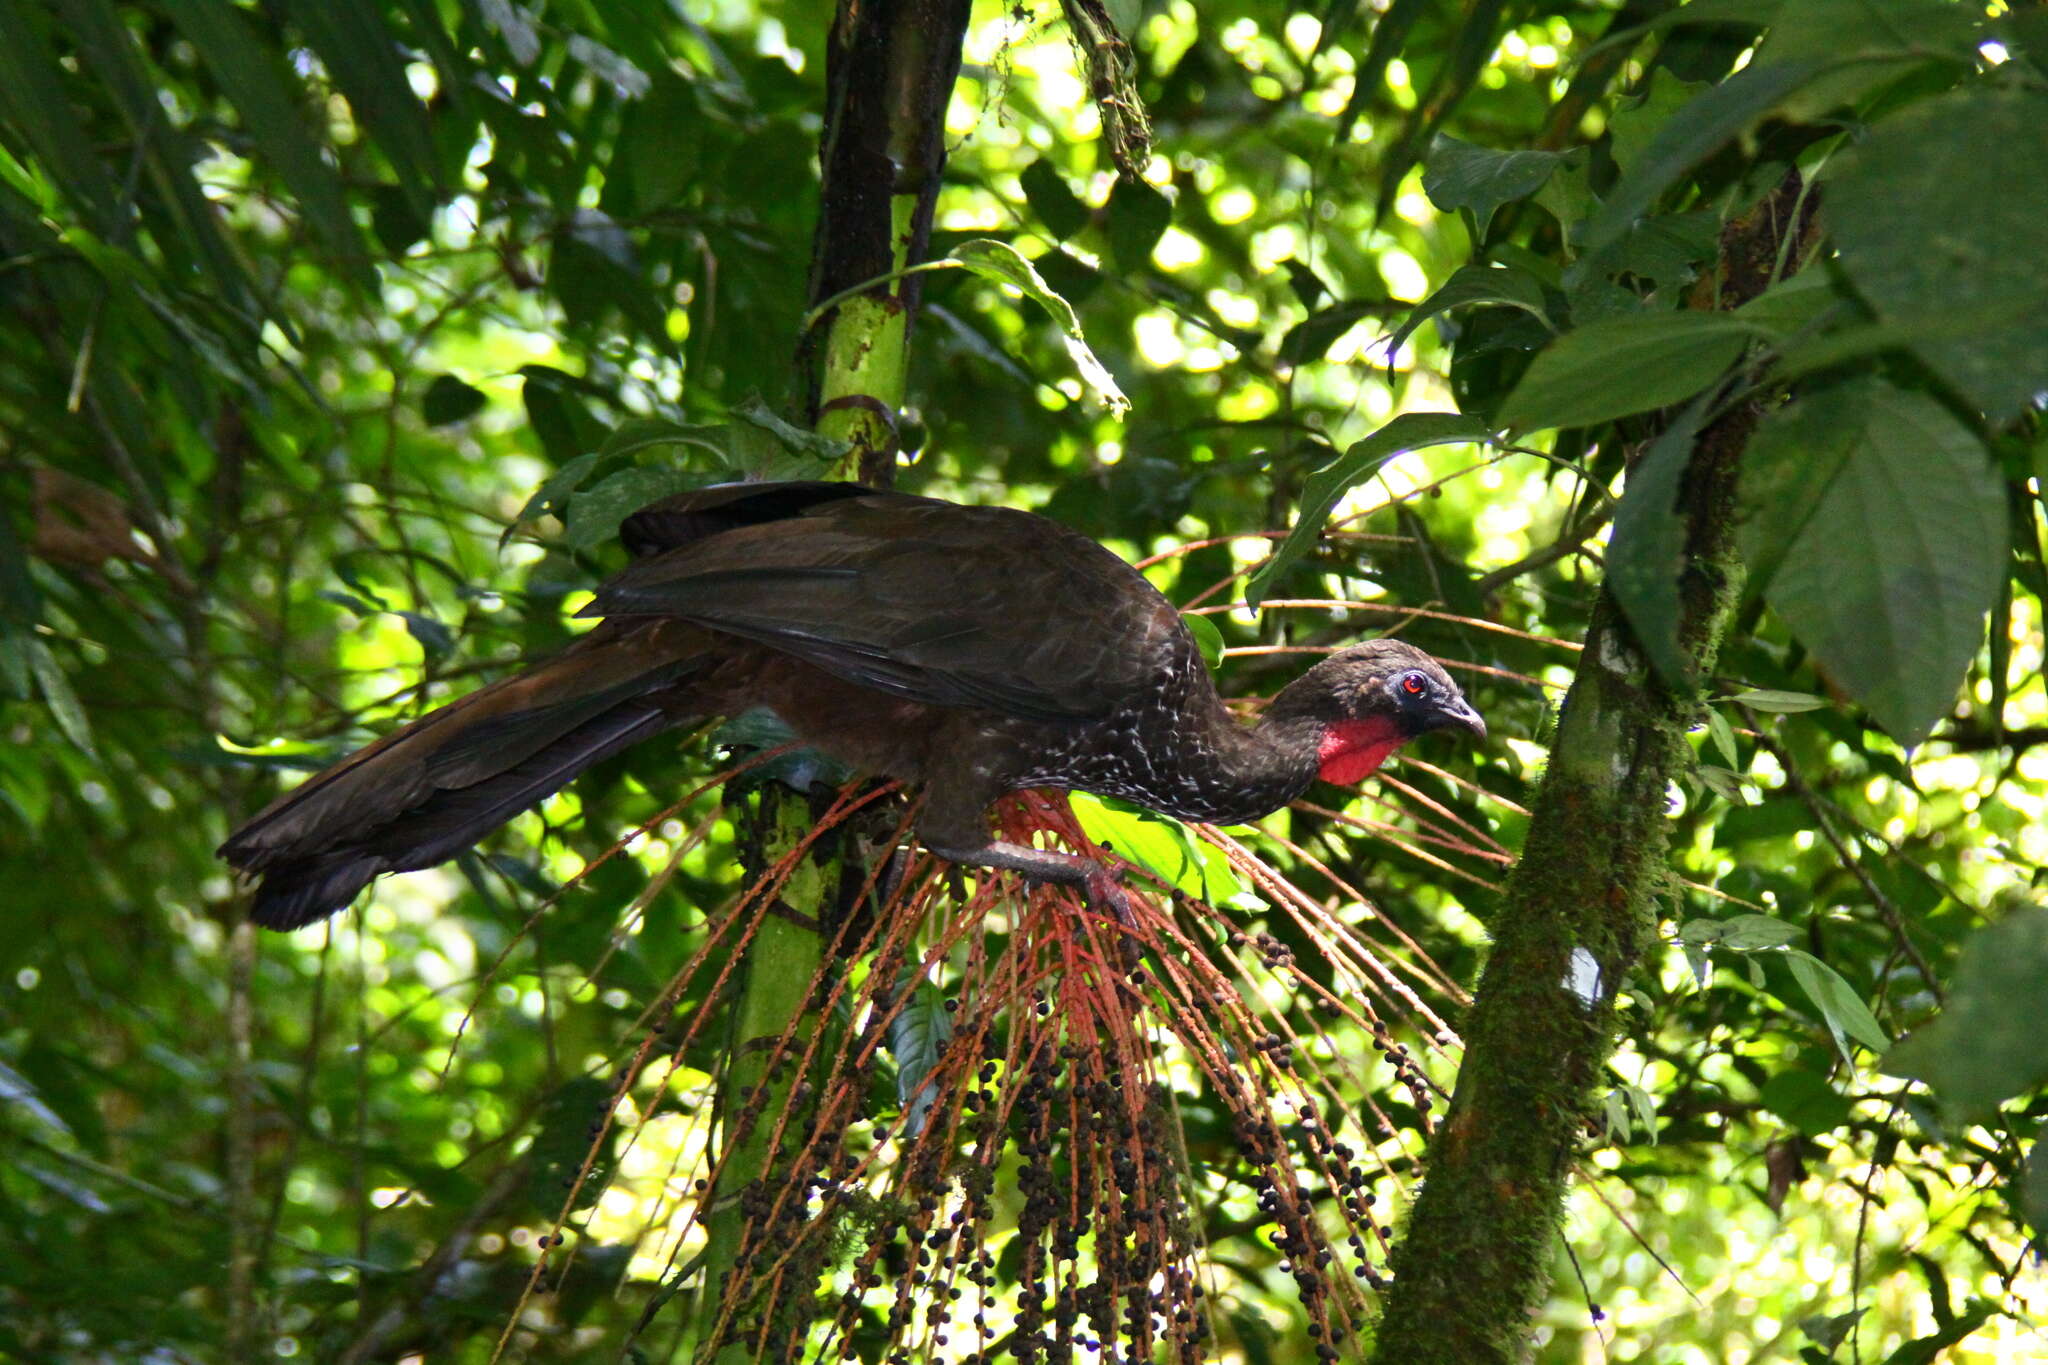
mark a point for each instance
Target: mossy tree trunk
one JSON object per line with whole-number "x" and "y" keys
{"x": 1476, "y": 1262}
{"x": 891, "y": 70}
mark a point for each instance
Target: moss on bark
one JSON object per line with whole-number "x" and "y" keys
{"x": 1476, "y": 1261}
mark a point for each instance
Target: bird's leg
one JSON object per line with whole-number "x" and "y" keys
{"x": 1098, "y": 884}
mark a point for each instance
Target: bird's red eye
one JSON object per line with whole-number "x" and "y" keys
{"x": 1413, "y": 685}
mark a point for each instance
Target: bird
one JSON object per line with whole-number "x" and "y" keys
{"x": 971, "y": 651}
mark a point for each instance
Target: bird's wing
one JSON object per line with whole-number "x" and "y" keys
{"x": 950, "y": 605}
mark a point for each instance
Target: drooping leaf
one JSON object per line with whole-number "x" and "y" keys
{"x": 449, "y": 400}
{"x": 1690, "y": 135}
{"x": 1843, "y": 1010}
{"x": 1002, "y": 262}
{"x": 1138, "y": 218}
{"x": 1624, "y": 365}
{"x": 1052, "y": 199}
{"x": 1878, "y": 529}
{"x": 1933, "y": 233}
{"x": 1458, "y": 175}
{"x": 1475, "y": 284}
{"x": 1988, "y": 1044}
{"x": 1323, "y": 489}
{"x": 1647, "y": 553}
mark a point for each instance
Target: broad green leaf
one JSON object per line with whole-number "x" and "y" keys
{"x": 1783, "y": 703}
{"x": 1869, "y": 44}
{"x": 1741, "y": 933}
{"x": 1806, "y": 1099}
{"x": 1798, "y": 305}
{"x": 1637, "y": 122}
{"x": 1689, "y": 135}
{"x": 1475, "y": 284}
{"x": 1052, "y": 199}
{"x": 1000, "y": 261}
{"x": 1458, "y": 175}
{"x": 1839, "y": 1005}
{"x": 1647, "y": 552}
{"x": 1161, "y": 845}
{"x": 1877, "y": 527}
{"x": 1138, "y": 218}
{"x": 636, "y": 434}
{"x": 1988, "y": 1045}
{"x": 1618, "y": 366}
{"x": 553, "y": 495}
{"x": 448, "y": 400}
{"x": 1931, "y": 230}
{"x": 434, "y": 637}
{"x": 1323, "y": 489}
{"x": 1310, "y": 339}
{"x": 793, "y": 438}
{"x": 595, "y": 512}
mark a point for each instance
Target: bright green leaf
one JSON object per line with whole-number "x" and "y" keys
{"x": 1618, "y": 366}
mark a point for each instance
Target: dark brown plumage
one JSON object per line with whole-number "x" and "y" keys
{"x": 974, "y": 650}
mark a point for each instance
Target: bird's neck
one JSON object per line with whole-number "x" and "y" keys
{"x": 1258, "y": 769}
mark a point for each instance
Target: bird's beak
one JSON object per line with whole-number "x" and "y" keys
{"x": 1459, "y": 712}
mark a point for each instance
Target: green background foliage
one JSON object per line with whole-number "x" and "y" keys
{"x": 336, "y": 340}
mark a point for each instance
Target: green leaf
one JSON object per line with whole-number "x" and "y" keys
{"x": 275, "y": 113}
{"x": 1988, "y": 1044}
{"x": 1806, "y": 1100}
{"x": 1624, "y": 365}
{"x": 1138, "y": 218}
{"x": 1208, "y": 639}
{"x": 636, "y": 434}
{"x": 1929, "y": 1349}
{"x": 448, "y": 400}
{"x": 801, "y": 441}
{"x": 1877, "y": 527}
{"x": 1783, "y": 703}
{"x": 1323, "y": 489}
{"x": 1690, "y": 135}
{"x": 1310, "y": 339}
{"x": 1647, "y": 552}
{"x": 1796, "y": 306}
{"x": 595, "y": 512}
{"x": 999, "y": 261}
{"x": 2033, "y": 1200}
{"x": 553, "y": 495}
{"x": 32, "y": 94}
{"x": 1052, "y": 199}
{"x": 1930, "y": 228}
{"x": 1740, "y": 933}
{"x": 1475, "y": 284}
{"x": 434, "y": 637}
{"x": 363, "y": 58}
{"x": 57, "y": 694}
{"x": 1458, "y": 175}
{"x": 918, "y": 1036}
{"x": 1839, "y": 1004}
{"x": 1161, "y": 845}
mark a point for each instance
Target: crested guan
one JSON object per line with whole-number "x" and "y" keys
{"x": 974, "y": 650}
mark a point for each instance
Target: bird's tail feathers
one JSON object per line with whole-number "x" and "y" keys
{"x": 423, "y": 794}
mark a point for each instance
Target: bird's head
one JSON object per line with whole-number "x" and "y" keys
{"x": 1364, "y": 702}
